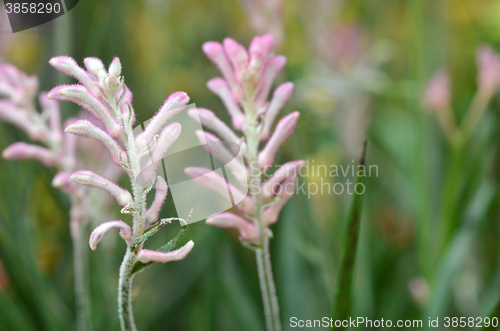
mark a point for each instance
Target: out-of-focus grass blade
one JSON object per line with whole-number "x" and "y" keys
{"x": 457, "y": 250}
{"x": 343, "y": 298}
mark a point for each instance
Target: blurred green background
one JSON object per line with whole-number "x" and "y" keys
{"x": 359, "y": 68}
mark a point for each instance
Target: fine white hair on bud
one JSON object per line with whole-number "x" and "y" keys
{"x": 99, "y": 232}
{"x": 160, "y": 195}
{"x": 90, "y": 178}
{"x": 147, "y": 256}
{"x": 86, "y": 129}
{"x": 115, "y": 68}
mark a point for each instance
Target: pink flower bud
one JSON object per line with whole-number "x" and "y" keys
{"x": 90, "y": 178}
{"x": 23, "y": 151}
{"x": 215, "y": 147}
{"x": 147, "y": 256}
{"x": 99, "y": 232}
{"x": 167, "y": 137}
{"x": 236, "y": 53}
{"x": 230, "y": 220}
{"x": 95, "y": 67}
{"x": 488, "y": 63}
{"x": 213, "y": 181}
{"x": 283, "y": 130}
{"x": 68, "y": 66}
{"x": 51, "y": 107}
{"x": 287, "y": 170}
{"x": 280, "y": 98}
{"x": 63, "y": 182}
{"x": 172, "y": 106}
{"x": 212, "y": 122}
{"x": 115, "y": 68}
{"x": 160, "y": 195}
{"x": 11, "y": 113}
{"x": 82, "y": 97}
{"x": 219, "y": 87}
{"x": 273, "y": 68}
{"x": 86, "y": 129}
{"x": 215, "y": 52}
{"x": 272, "y": 212}
{"x": 259, "y": 50}
{"x": 437, "y": 91}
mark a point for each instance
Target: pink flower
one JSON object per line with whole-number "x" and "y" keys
{"x": 437, "y": 91}
{"x": 488, "y": 63}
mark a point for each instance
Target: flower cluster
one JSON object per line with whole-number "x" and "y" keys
{"x": 244, "y": 90}
{"x": 103, "y": 93}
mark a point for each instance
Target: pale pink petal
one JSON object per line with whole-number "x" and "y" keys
{"x": 273, "y": 68}
{"x": 212, "y": 122}
{"x": 147, "y": 256}
{"x": 272, "y": 212}
{"x": 283, "y": 130}
{"x": 215, "y": 52}
{"x": 100, "y": 231}
{"x": 213, "y": 181}
{"x": 81, "y": 96}
{"x": 23, "y": 151}
{"x": 63, "y": 182}
{"x": 90, "y": 178}
{"x": 437, "y": 91}
{"x": 96, "y": 67}
{"x": 230, "y": 220}
{"x": 280, "y": 98}
{"x": 287, "y": 170}
{"x": 172, "y": 106}
{"x": 68, "y": 66}
{"x": 220, "y": 87}
{"x": 160, "y": 195}
{"x": 86, "y": 129}
{"x": 236, "y": 53}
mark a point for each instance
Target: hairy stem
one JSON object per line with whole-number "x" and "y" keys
{"x": 125, "y": 312}
{"x": 82, "y": 293}
{"x": 268, "y": 289}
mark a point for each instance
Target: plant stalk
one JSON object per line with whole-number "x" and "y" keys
{"x": 82, "y": 293}
{"x": 264, "y": 266}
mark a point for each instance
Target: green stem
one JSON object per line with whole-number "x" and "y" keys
{"x": 82, "y": 293}
{"x": 271, "y": 308}
{"x": 343, "y": 298}
{"x": 125, "y": 311}
{"x": 268, "y": 289}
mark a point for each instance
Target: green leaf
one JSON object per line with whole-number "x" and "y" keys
{"x": 343, "y": 298}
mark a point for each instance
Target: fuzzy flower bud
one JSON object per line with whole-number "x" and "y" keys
{"x": 89, "y": 178}
{"x": 23, "y": 151}
{"x": 68, "y": 66}
{"x": 100, "y": 231}
{"x": 230, "y": 220}
{"x": 86, "y": 129}
{"x": 280, "y": 98}
{"x": 220, "y": 87}
{"x": 272, "y": 212}
{"x": 161, "y": 193}
{"x": 283, "y": 130}
{"x": 147, "y": 256}
{"x": 63, "y": 182}
{"x": 172, "y": 106}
